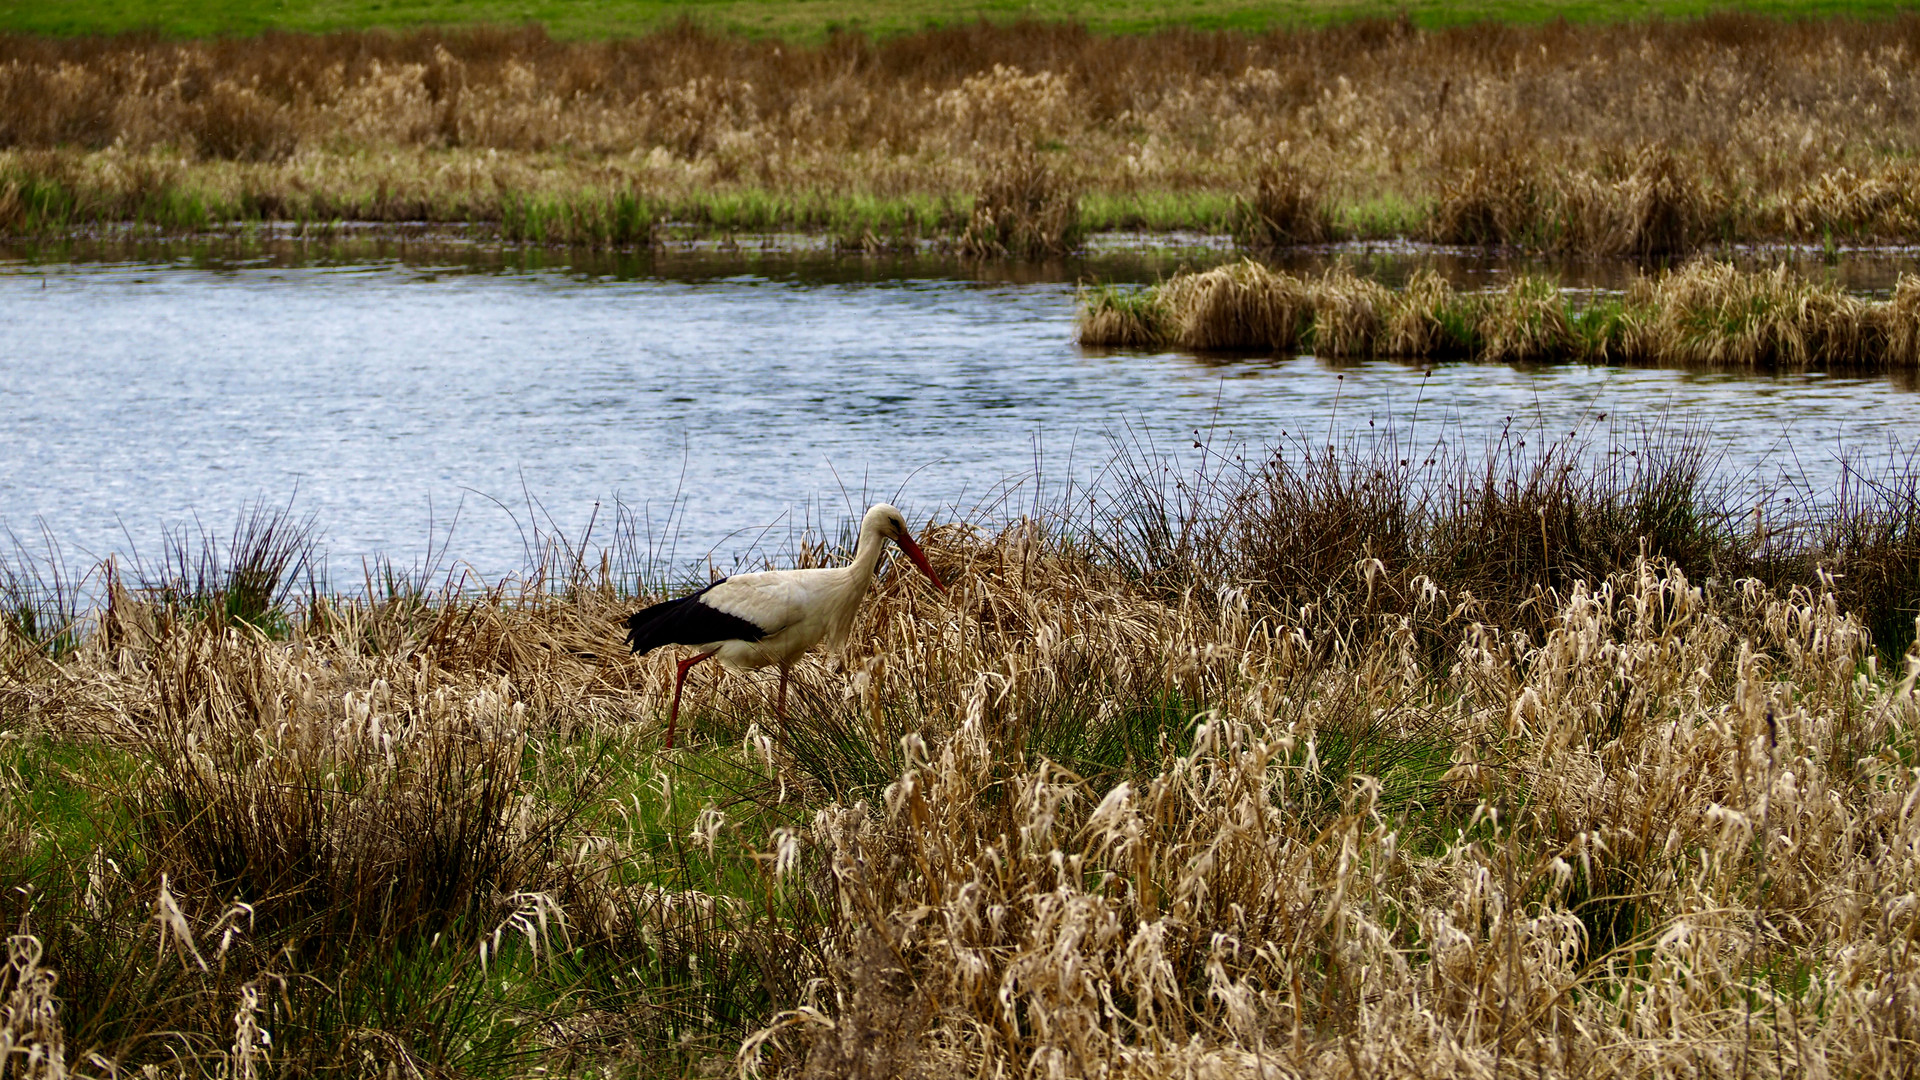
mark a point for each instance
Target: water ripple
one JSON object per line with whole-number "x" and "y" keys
{"x": 144, "y": 394}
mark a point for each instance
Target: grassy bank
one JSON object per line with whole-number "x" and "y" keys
{"x": 1325, "y": 762}
{"x": 1703, "y": 315}
{"x": 1643, "y": 140}
{"x": 813, "y": 21}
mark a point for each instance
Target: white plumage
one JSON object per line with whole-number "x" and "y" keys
{"x": 773, "y": 617}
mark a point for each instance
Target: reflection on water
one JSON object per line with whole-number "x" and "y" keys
{"x": 1118, "y": 258}
{"x": 138, "y": 388}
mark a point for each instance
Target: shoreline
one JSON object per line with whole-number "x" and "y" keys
{"x": 402, "y": 241}
{"x": 692, "y": 236}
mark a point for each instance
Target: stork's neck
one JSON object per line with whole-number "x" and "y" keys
{"x": 855, "y": 579}
{"x": 866, "y": 556}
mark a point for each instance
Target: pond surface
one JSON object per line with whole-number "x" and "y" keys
{"x": 728, "y": 400}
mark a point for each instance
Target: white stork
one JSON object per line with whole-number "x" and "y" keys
{"x": 772, "y": 617}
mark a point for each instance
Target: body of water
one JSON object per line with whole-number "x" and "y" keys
{"x": 729, "y": 401}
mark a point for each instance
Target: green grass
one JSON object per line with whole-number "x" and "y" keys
{"x": 1157, "y": 211}
{"x": 1381, "y": 216}
{"x": 62, "y": 795}
{"x": 68, "y": 806}
{"x": 812, "y": 20}
{"x": 1132, "y": 744}
{"x": 698, "y": 987}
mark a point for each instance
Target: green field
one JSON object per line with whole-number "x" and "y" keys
{"x": 809, "y": 20}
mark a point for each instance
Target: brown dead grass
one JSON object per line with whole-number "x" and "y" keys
{"x": 1639, "y": 139}
{"x": 1629, "y": 866}
{"x": 1659, "y": 205}
{"x": 1239, "y": 303}
{"x": 1281, "y": 795}
{"x": 1705, "y": 314}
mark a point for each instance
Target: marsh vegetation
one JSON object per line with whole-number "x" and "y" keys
{"x": 811, "y": 21}
{"x": 1573, "y": 759}
{"x": 1705, "y": 314}
{"x": 1541, "y": 763}
{"x": 1643, "y": 140}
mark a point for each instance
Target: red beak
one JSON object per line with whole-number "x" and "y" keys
{"x": 920, "y": 560}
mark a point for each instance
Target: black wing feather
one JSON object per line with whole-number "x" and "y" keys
{"x": 687, "y": 621}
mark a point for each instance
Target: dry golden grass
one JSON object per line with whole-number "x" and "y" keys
{"x": 1120, "y": 319}
{"x": 1235, "y": 306}
{"x": 1704, "y": 314}
{"x": 1659, "y": 205}
{"x": 1898, "y": 324}
{"x": 1636, "y": 139}
{"x": 1713, "y": 315}
{"x": 1656, "y": 856}
{"x": 1288, "y": 207}
{"x": 1299, "y": 783}
{"x": 1349, "y": 314}
{"x": 1525, "y": 323}
{"x": 1428, "y": 319}
{"x": 1028, "y": 209}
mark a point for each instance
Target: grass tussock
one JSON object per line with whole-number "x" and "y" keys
{"x": 1027, "y": 209}
{"x": 1239, "y": 302}
{"x": 1704, "y": 314}
{"x": 1120, "y": 318}
{"x": 1308, "y": 760}
{"x": 1644, "y": 139}
{"x": 1651, "y": 204}
{"x": 1713, "y": 315}
{"x": 1288, "y": 208}
{"x": 1231, "y": 909}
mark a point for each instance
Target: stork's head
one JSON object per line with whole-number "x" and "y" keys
{"x": 886, "y": 520}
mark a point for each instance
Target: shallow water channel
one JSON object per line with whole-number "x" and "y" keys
{"x": 729, "y": 398}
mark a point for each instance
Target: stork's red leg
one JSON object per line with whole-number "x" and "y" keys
{"x": 780, "y": 710}
{"x": 673, "y": 713}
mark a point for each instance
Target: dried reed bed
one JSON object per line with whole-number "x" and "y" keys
{"x": 1704, "y": 314}
{"x": 379, "y": 845}
{"x": 1628, "y": 862}
{"x": 1637, "y": 139}
{"x": 1159, "y": 791}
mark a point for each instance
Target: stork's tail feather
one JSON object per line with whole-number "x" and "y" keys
{"x": 641, "y": 622}
{"x": 687, "y": 621}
